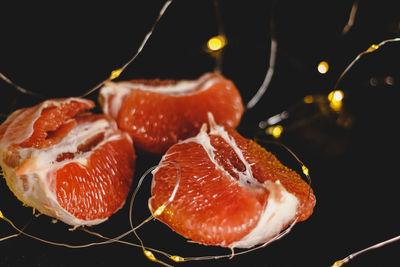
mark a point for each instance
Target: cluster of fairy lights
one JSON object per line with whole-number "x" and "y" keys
{"x": 214, "y": 47}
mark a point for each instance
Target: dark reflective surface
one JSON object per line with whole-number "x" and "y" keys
{"x": 64, "y": 50}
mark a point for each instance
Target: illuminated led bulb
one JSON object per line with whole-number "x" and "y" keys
{"x": 336, "y": 95}
{"x": 335, "y": 99}
{"x": 372, "y": 48}
{"x": 216, "y": 43}
{"x": 1, "y": 215}
{"x": 323, "y": 67}
{"x": 338, "y": 263}
{"x": 176, "y": 258}
{"x": 159, "y": 210}
{"x": 305, "y": 170}
{"x": 115, "y": 74}
{"x": 149, "y": 255}
{"x": 275, "y": 131}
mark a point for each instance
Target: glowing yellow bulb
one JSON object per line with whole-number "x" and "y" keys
{"x": 372, "y": 48}
{"x": 1, "y": 215}
{"x": 177, "y": 258}
{"x": 335, "y": 98}
{"x": 336, "y": 95}
{"x": 338, "y": 263}
{"x": 275, "y": 131}
{"x": 149, "y": 255}
{"x": 159, "y": 210}
{"x": 216, "y": 43}
{"x": 115, "y": 74}
{"x": 305, "y": 170}
{"x": 323, "y": 67}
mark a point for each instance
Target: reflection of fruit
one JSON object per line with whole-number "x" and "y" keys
{"x": 69, "y": 164}
{"x": 157, "y": 114}
{"x": 232, "y": 192}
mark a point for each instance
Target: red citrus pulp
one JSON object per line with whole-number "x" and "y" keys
{"x": 65, "y": 162}
{"x": 159, "y": 113}
{"x": 231, "y": 191}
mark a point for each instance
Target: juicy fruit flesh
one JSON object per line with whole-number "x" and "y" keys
{"x": 95, "y": 190}
{"x": 214, "y": 204}
{"x": 53, "y": 124}
{"x": 265, "y": 166}
{"x": 206, "y": 205}
{"x": 156, "y": 119}
{"x": 75, "y": 166}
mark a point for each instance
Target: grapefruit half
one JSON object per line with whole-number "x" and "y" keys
{"x": 159, "y": 113}
{"x": 65, "y": 162}
{"x": 231, "y": 192}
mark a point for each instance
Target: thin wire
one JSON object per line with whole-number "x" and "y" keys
{"x": 221, "y": 32}
{"x": 371, "y": 49}
{"x": 353, "y": 255}
{"x": 19, "y": 88}
{"x": 157, "y": 212}
{"x": 20, "y": 231}
{"x": 117, "y": 72}
{"x": 170, "y": 199}
{"x": 352, "y": 16}
{"x": 13, "y": 235}
{"x": 107, "y": 240}
{"x": 279, "y": 236}
{"x": 295, "y": 157}
{"x": 268, "y": 76}
{"x": 135, "y": 193}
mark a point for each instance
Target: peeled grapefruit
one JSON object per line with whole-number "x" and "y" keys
{"x": 159, "y": 113}
{"x": 65, "y": 162}
{"x": 232, "y": 192}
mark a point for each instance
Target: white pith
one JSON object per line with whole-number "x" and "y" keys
{"x": 119, "y": 90}
{"x": 32, "y": 180}
{"x": 13, "y": 137}
{"x": 281, "y": 205}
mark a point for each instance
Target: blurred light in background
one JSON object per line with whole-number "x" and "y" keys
{"x": 216, "y": 43}
{"x": 275, "y": 130}
{"x": 323, "y": 67}
{"x": 335, "y": 99}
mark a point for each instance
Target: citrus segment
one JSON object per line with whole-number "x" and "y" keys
{"x": 99, "y": 188}
{"x": 69, "y": 164}
{"x": 223, "y": 198}
{"x": 159, "y": 113}
{"x": 30, "y": 126}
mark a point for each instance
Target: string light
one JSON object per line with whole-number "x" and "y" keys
{"x": 115, "y": 74}
{"x": 370, "y": 49}
{"x": 323, "y": 67}
{"x": 176, "y": 258}
{"x": 149, "y": 255}
{"x": 305, "y": 170}
{"x": 159, "y": 210}
{"x": 335, "y": 100}
{"x": 338, "y": 263}
{"x": 275, "y": 131}
{"x": 216, "y": 43}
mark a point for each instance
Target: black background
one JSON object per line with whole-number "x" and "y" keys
{"x": 61, "y": 49}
